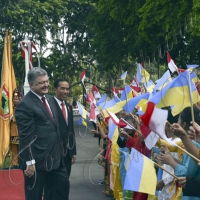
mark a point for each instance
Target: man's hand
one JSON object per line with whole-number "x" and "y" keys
{"x": 30, "y": 170}
{"x": 73, "y": 159}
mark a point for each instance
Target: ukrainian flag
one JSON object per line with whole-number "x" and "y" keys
{"x": 129, "y": 105}
{"x": 177, "y": 92}
{"x": 123, "y": 76}
{"x": 142, "y": 75}
{"x": 113, "y": 132}
{"x": 163, "y": 81}
{"x": 110, "y": 105}
{"x": 142, "y": 169}
{"x": 81, "y": 109}
{"x": 149, "y": 86}
{"x": 127, "y": 93}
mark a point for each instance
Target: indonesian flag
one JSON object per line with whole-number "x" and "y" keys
{"x": 26, "y": 49}
{"x": 92, "y": 115}
{"x": 142, "y": 63}
{"x": 114, "y": 91}
{"x": 135, "y": 83}
{"x": 155, "y": 119}
{"x": 82, "y": 76}
{"x": 150, "y": 138}
{"x": 197, "y": 85}
{"x": 87, "y": 99}
{"x": 120, "y": 90}
{"x": 171, "y": 63}
{"x": 180, "y": 70}
{"x": 137, "y": 89}
{"x": 91, "y": 99}
{"x": 96, "y": 92}
{"x": 119, "y": 122}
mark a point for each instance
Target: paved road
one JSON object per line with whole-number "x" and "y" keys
{"x": 86, "y": 172}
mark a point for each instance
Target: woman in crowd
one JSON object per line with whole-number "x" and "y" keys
{"x": 167, "y": 186}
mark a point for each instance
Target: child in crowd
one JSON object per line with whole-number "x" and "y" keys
{"x": 188, "y": 167}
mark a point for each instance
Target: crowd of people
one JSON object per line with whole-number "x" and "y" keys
{"x": 180, "y": 130}
{"x": 43, "y": 134}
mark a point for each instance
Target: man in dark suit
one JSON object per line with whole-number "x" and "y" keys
{"x": 39, "y": 141}
{"x": 66, "y": 123}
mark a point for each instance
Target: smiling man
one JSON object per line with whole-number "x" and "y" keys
{"x": 39, "y": 138}
{"x": 66, "y": 123}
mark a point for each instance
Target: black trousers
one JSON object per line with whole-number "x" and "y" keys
{"x": 68, "y": 163}
{"x": 54, "y": 183}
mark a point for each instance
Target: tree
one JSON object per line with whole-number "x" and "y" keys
{"x": 32, "y": 19}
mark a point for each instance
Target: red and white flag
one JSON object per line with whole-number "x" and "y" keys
{"x": 135, "y": 88}
{"x": 155, "y": 119}
{"x": 135, "y": 83}
{"x": 91, "y": 99}
{"x": 119, "y": 122}
{"x": 96, "y": 92}
{"x": 92, "y": 115}
{"x": 82, "y": 76}
{"x": 172, "y": 66}
{"x": 150, "y": 138}
{"x": 114, "y": 91}
{"x": 120, "y": 90}
{"x": 180, "y": 70}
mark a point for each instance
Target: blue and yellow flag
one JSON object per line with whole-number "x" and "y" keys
{"x": 177, "y": 92}
{"x": 141, "y": 174}
{"x": 123, "y": 76}
{"x": 82, "y": 110}
{"x": 130, "y": 104}
{"x": 82, "y": 122}
{"x": 113, "y": 132}
{"x": 127, "y": 93}
{"x": 142, "y": 75}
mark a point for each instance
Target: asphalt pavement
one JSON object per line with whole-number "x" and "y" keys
{"x": 86, "y": 172}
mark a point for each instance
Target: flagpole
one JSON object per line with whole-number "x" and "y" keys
{"x": 191, "y": 102}
{"x": 165, "y": 170}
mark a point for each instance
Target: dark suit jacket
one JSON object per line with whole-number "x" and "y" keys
{"x": 67, "y": 131}
{"x": 39, "y": 136}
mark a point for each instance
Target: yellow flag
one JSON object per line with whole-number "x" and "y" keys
{"x": 8, "y": 84}
{"x": 84, "y": 123}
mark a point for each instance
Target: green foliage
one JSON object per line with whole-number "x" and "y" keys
{"x": 105, "y": 37}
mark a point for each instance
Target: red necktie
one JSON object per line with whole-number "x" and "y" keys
{"x": 47, "y": 107}
{"x": 64, "y": 111}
